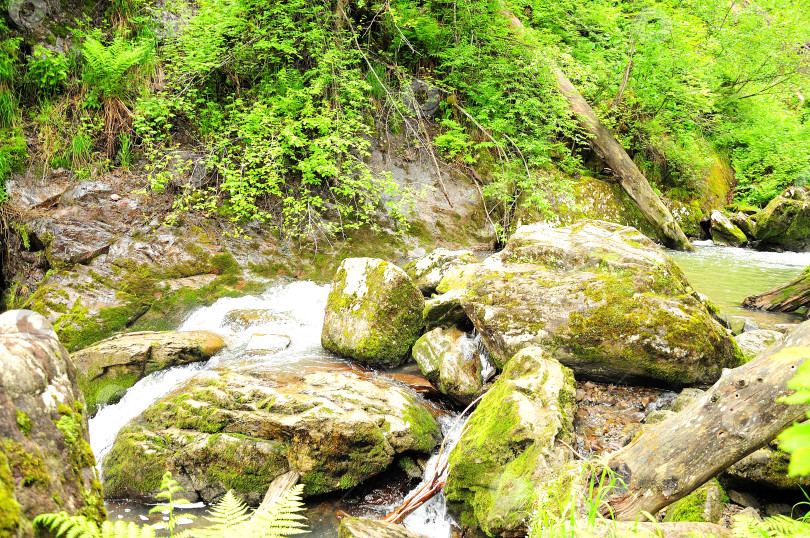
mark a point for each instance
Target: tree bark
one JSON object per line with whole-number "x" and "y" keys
{"x": 613, "y": 154}
{"x": 739, "y": 414}
{"x": 786, "y": 298}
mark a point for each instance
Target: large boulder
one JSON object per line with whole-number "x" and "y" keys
{"x": 785, "y": 221}
{"x": 428, "y": 271}
{"x": 603, "y": 298}
{"x": 510, "y": 445}
{"x": 724, "y": 231}
{"x": 373, "y": 313}
{"x": 241, "y": 429}
{"x": 449, "y": 358}
{"x": 46, "y": 464}
{"x": 107, "y": 369}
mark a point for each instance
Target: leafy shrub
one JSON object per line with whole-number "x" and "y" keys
{"x": 47, "y": 70}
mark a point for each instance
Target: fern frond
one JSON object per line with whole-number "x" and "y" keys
{"x": 282, "y": 518}
{"x": 228, "y": 513}
{"x": 771, "y": 527}
{"x": 62, "y": 524}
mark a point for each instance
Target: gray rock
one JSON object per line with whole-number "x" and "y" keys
{"x": 749, "y": 326}
{"x": 429, "y": 270}
{"x": 267, "y": 344}
{"x": 778, "y": 509}
{"x": 785, "y": 222}
{"x": 686, "y": 397}
{"x": 241, "y": 429}
{"x": 752, "y": 343}
{"x": 373, "y": 313}
{"x": 746, "y": 224}
{"x": 752, "y": 513}
{"x": 765, "y": 468}
{"x": 449, "y": 359}
{"x": 743, "y": 499}
{"x": 87, "y": 192}
{"x": 445, "y": 310}
{"x": 106, "y": 369}
{"x": 46, "y": 464}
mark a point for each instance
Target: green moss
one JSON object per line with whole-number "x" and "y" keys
{"x": 24, "y": 423}
{"x": 105, "y": 391}
{"x": 9, "y": 508}
{"x": 135, "y": 464}
{"x": 235, "y": 463}
{"x": 423, "y": 428}
{"x": 30, "y": 467}
{"x": 693, "y": 506}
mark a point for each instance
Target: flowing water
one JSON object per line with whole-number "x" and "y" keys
{"x": 724, "y": 274}
{"x": 727, "y": 275}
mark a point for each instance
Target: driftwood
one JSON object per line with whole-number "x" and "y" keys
{"x": 739, "y": 414}
{"x": 786, "y": 298}
{"x": 614, "y": 155}
{"x": 278, "y": 488}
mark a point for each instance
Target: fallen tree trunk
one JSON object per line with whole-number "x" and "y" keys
{"x": 786, "y": 298}
{"x": 277, "y": 489}
{"x": 613, "y": 154}
{"x": 739, "y": 414}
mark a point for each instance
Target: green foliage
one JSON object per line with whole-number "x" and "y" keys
{"x": 565, "y": 510}
{"x": 229, "y": 517}
{"x": 108, "y": 68}
{"x": 771, "y": 527}
{"x": 168, "y": 488}
{"x": 47, "y": 70}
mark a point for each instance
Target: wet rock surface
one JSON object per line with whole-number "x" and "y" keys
{"x": 46, "y": 464}
{"x": 241, "y": 429}
{"x": 753, "y": 342}
{"x": 428, "y": 271}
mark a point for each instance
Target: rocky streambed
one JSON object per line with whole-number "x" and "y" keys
{"x": 579, "y": 338}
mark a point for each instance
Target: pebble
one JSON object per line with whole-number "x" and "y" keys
{"x": 114, "y": 197}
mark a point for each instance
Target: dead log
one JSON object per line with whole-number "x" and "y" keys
{"x": 786, "y": 298}
{"x": 739, "y": 414}
{"x": 278, "y": 488}
{"x": 613, "y": 154}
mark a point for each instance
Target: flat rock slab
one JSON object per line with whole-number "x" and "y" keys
{"x": 241, "y": 429}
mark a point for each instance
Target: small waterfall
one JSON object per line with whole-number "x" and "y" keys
{"x": 294, "y": 310}
{"x": 487, "y": 364}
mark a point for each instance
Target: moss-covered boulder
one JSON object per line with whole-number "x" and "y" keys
{"x": 785, "y": 222}
{"x": 449, "y": 359}
{"x": 725, "y": 232}
{"x": 753, "y": 342}
{"x": 510, "y": 447}
{"x": 705, "y": 504}
{"x": 427, "y": 272}
{"x": 373, "y": 313}
{"x": 240, "y": 430}
{"x": 46, "y": 464}
{"x": 604, "y": 299}
{"x": 108, "y": 368}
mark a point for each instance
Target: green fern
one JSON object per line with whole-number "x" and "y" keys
{"x": 62, "y": 524}
{"x": 771, "y": 527}
{"x": 106, "y": 66}
{"x": 230, "y": 518}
